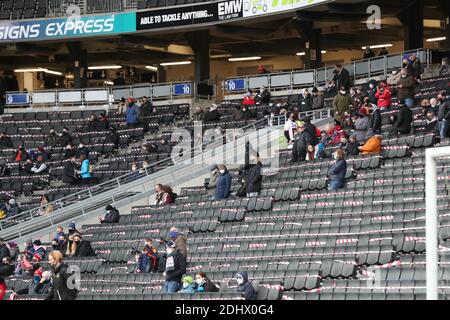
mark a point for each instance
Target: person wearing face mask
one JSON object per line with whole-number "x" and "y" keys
{"x": 132, "y": 113}
{"x": 223, "y": 186}
{"x": 402, "y": 124}
{"x": 374, "y": 123}
{"x": 317, "y": 99}
{"x": 263, "y": 95}
{"x": 112, "y": 215}
{"x": 82, "y": 247}
{"x": 372, "y": 91}
{"x": 204, "y": 284}
{"x": 431, "y": 125}
{"x": 305, "y": 102}
{"x": 417, "y": 67}
{"x": 52, "y": 139}
{"x": 61, "y": 279}
{"x": 70, "y": 175}
{"x": 338, "y": 171}
{"x": 36, "y": 251}
{"x": 39, "y": 284}
{"x": 175, "y": 268}
{"x": 443, "y": 115}
{"x": 82, "y": 150}
{"x": 65, "y": 138}
{"x": 69, "y": 151}
{"x": 248, "y": 99}
{"x": 341, "y": 103}
{"x": 188, "y": 285}
{"x": 433, "y": 107}
{"x": 341, "y": 77}
{"x": 245, "y": 286}
{"x": 383, "y": 96}
{"x": 213, "y": 114}
{"x": 254, "y": 177}
{"x": 60, "y": 243}
{"x": 405, "y": 88}
{"x": 179, "y": 239}
{"x": 444, "y": 70}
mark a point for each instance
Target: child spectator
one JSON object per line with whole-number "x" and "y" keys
{"x": 204, "y": 284}
{"x": 188, "y": 286}
{"x": 245, "y": 286}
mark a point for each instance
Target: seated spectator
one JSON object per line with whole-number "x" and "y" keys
{"x": 179, "y": 239}
{"x": 254, "y": 177}
{"x": 338, "y": 171}
{"x": 301, "y": 141}
{"x": 305, "y": 101}
{"x": 245, "y": 286}
{"x": 152, "y": 253}
{"x": 5, "y": 141}
{"x": 263, "y": 96}
{"x": 59, "y": 233}
{"x": 69, "y": 151}
{"x": 431, "y": 125}
{"x": 6, "y": 267}
{"x": 85, "y": 170}
{"x": 372, "y": 146}
{"x": 175, "y": 268}
{"x": 113, "y": 137}
{"x": 52, "y": 139}
{"x": 204, "y": 284}
{"x": 317, "y": 99}
{"x": 112, "y": 215}
{"x": 45, "y": 284}
{"x": 21, "y": 154}
{"x": 143, "y": 261}
{"x": 82, "y": 150}
{"x": 61, "y": 243}
{"x": 39, "y": 284}
{"x": 248, "y": 99}
{"x": 212, "y": 115}
{"x": 405, "y": 88}
{"x": 145, "y": 167}
{"x": 92, "y": 123}
{"x": 70, "y": 173}
{"x": 361, "y": 126}
{"x": 46, "y": 156}
{"x": 4, "y": 169}
{"x": 39, "y": 166}
{"x": 163, "y": 147}
{"x": 352, "y": 148}
{"x": 65, "y": 138}
{"x": 310, "y": 153}
{"x": 159, "y": 194}
{"x": 356, "y": 98}
{"x": 223, "y": 187}
{"x": 198, "y": 114}
{"x": 46, "y": 205}
{"x": 13, "y": 209}
{"x": 188, "y": 285}
{"x": 82, "y": 247}
{"x": 103, "y": 123}
{"x": 402, "y": 124}
{"x": 320, "y": 147}
{"x": 26, "y": 167}
{"x": 425, "y": 104}
{"x": 4, "y": 251}
{"x": 3, "y": 288}
{"x": 36, "y": 252}
{"x": 14, "y": 250}
{"x": 383, "y": 96}
{"x": 168, "y": 195}
{"x": 242, "y": 191}
{"x": 444, "y": 70}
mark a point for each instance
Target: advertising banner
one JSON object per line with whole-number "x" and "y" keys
{"x": 260, "y": 7}
{"x": 71, "y": 27}
{"x": 189, "y": 15}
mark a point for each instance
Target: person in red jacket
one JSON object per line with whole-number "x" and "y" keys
{"x": 2, "y": 289}
{"x": 248, "y": 99}
{"x": 383, "y": 96}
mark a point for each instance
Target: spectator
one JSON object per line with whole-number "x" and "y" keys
{"x": 204, "y": 284}
{"x": 82, "y": 150}
{"x": 6, "y": 267}
{"x": 4, "y": 169}
{"x": 93, "y": 123}
{"x": 425, "y": 104}
{"x": 60, "y": 243}
{"x": 368, "y": 53}
{"x": 443, "y": 115}
{"x": 311, "y": 129}
{"x": 254, "y": 177}
{"x": 342, "y": 77}
{"x": 417, "y": 67}
{"x": 13, "y": 209}
{"x": 121, "y": 106}
{"x": 69, "y": 151}
{"x": 372, "y": 146}
{"x": 5, "y": 141}
{"x": 4, "y": 251}
{"x": 338, "y": 171}
{"x": 320, "y": 147}
{"x": 159, "y": 194}
{"x": 356, "y": 99}
{"x": 371, "y": 92}
{"x": 210, "y": 186}
{"x": 60, "y": 279}
{"x": 112, "y": 137}
{"x": 198, "y": 114}
{"x": 70, "y": 175}
{"x": 405, "y": 91}
{"x": 36, "y": 252}
{"x": 263, "y": 96}
{"x": 383, "y": 52}
{"x": 383, "y": 96}
{"x": 301, "y": 141}
{"x": 352, "y": 148}
{"x": 168, "y": 196}
{"x": 223, "y": 187}
{"x": 52, "y": 139}
{"x": 374, "y": 123}
{"x": 21, "y": 154}
{"x": 444, "y": 70}
{"x": 402, "y": 125}
{"x": 341, "y": 104}
{"x": 175, "y": 268}
{"x": 179, "y": 239}
{"x": 103, "y": 123}
{"x": 146, "y": 111}
{"x": 431, "y": 125}
{"x": 65, "y": 138}
{"x": 59, "y": 233}
{"x": 39, "y": 166}
{"x": 34, "y": 287}
{"x": 262, "y": 70}
{"x": 82, "y": 247}
{"x": 85, "y": 170}
{"x": 212, "y": 115}
{"x": 45, "y": 284}
{"x": 162, "y": 147}
{"x": 152, "y": 253}
{"x": 143, "y": 261}
{"x": 245, "y": 286}
{"x": 188, "y": 285}
{"x": 132, "y": 112}
{"x": 305, "y": 101}
{"x": 248, "y": 99}
{"x": 46, "y": 156}
{"x": 14, "y": 250}
{"x": 46, "y": 205}
{"x": 310, "y": 153}
{"x": 290, "y": 128}
{"x": 112, "y": 215}
{"x": 246, "y": 113}
{"x": 2, "y": 289}
{"x": 317, "y": 99}
{"x": 361, "y": 127}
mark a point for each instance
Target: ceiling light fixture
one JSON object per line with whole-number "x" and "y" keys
{"x": 178, "y": 63}
{"x": 152, "y": 68}
{"x": 378, "y": 46}
{"x": 104, "y": 67}
{"x": 436, "y": 39}
{"x": 244, "y": 59}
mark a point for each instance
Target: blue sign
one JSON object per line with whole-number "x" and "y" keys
{"x": 182, "y": 89}
{"x": 17, "y": 98}
{"x": 235, "y": 85}
{"x": 74, "y": 26}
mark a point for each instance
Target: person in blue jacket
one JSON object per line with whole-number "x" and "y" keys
{"x": 338, "y": 171}
{"x": 223, "y": 185}
{"x": 132, "y": 112}
{"x": 84, "y": 172}
{"x": 245, "y": 286}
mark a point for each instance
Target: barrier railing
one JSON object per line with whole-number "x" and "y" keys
{"x": 378, "y": 66}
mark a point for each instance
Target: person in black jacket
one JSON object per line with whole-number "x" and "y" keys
{"x": 338, "y": 171}
{"x": 4, "y": 251}
{"x": 263, "y": 96}
{"x": 52, "y": 139}
{"x": 6, "y": 267}
{"x": 245, "y": 286}
{"x": 5, "y": 141}
{"x": 83, "y": 247}
{"x": 69, "y": 151}
{"x": 254, "y": 177}
{"x": 305, "y": 101}
{"x": 375, "y": 120}
{"x": 443, "y": 115}
{"x": 175, "y": 268}
{"x": 301, "y": 141}
{"x": 112, "y": 215}
{"x": 69, "y": 172}
{"x": 342, "y": 77}
{"x": 311, "y": 129}
{"x": 402, "y": 124}
{"x": 63, "y": 287}
{"x": 113, "y": 137}
{"x": 212, "y": 114}
{"x": 65, "y": 138}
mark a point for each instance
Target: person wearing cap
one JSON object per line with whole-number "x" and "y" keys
{"x": 65, "y": 138}
{"x": 301, "y": 141}
{"x": 61, "y": 278}
{"x": 81, "y": 248}
{"x": 404, "y": 118}
{"x": 180, "y": 240}
{"x": 175, "y": 268}
{"x": 4, "y": 251}
{"x": 213, "y": 114}
{"x": 132, "y": 112}
{"x": 245, "y": 286}
{"x": 342, "y": 103}
{"x": 263, "y": 95}
{"x": 112, "y": 215}
{"x": 317, "y": 99}
{"x": 372, "y": 146}
{"x": 13, "y": 209}
{"x": 188, "y": 285}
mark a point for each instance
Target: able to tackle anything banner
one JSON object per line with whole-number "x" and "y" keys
{"x": 71, "y": 27}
